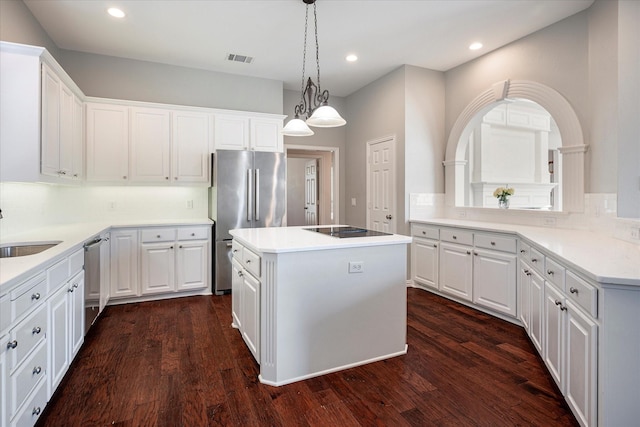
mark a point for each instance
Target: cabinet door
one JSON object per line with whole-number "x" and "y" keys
{"x": 157, "y": 267}
{"x": 494, "y": 281}
{"x": 67, "y": 106}
{"x": 107, "y": 143}
{"x": 191, "y": 265}
{"x": 76, "y": 314}
{"x": 150, "y": 145}
{"x": 231, "y": 132}
{"x": 58, "y": 340}
{"x": 77, "y": 140}
{"x": 266, "y": 135}
{"x": 456, "y": 270}
{"x": 237, "y": 286}
{"x": 105, "y": 271}
{"x": 425, "y": 262}
{"x": 581, "y": 357}
{"x": 524, "y": 296}
{"x": 191, "y": 147}
{"x": 50, "y": 137}
{"x": 251, "y": 314}
{"x": 536, "y": 301}
{"x": 553, "y": 348}
{"x": 124, "y": 263}
{"x": 3, "y": 380}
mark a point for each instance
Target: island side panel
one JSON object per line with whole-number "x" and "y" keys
{"x": 316, "y": 317}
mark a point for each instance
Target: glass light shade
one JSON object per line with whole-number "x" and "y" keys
{"x": 326, "y": 117}
{"x": 297, "y": 127}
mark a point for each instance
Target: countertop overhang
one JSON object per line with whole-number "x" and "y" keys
{"x": 604, "y": 259}
{"x": 295, "y": 239}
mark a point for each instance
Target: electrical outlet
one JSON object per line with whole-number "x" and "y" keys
{"x": 462, "y": 213}
{"x": 353, "y": 201}
{"x": 111, "y": 206}
{"x": 549, "y": 221}
{"x": 189, "y": 204}
{"x": 635, "y": 233}
{"x": 356, "y": 266}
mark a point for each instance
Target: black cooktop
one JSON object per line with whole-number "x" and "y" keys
{"x": 344, "y": 231}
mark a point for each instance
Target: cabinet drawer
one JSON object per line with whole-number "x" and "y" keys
{"x": 525, "y": 251}
{"x": 5, "y": 313}
{"x": 498, "y": 243}
{"x": 582, "y": 293}
{"x": 26, "y": 336}
{"x": 76, "y": 262}
{"x": 554, "y": 273}
{"x": 58, "y": 274}
{"x": 425, "y": 231}
{"x": 236, "y": 250}
{"x": 251, "y": 262}
{"x": 32, "y": 409}
{"x": 27, "y": 296}
{"x": 195, "y": 233}
{"x": 26, "y": 377}
{"x": 536, "y": 259}
{"x": 158, "y": 235}
{"x": 456, "y": 236}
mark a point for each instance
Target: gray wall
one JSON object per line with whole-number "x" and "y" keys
{"x": 18, "y": 25}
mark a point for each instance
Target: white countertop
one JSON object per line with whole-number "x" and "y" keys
{"x": 72, "y": 236}
{"x": 294, "y": 239}
{"x": 601, "y": 258}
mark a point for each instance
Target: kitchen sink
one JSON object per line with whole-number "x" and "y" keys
{"x": 24, "y": 249}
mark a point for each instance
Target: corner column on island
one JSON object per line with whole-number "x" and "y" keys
{"x": 308, "y": 304}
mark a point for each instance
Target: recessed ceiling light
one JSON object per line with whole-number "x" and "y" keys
{"x": 352, "y": 58}
{"x": 475, "y": 46}
{"x": 115, "y": 12}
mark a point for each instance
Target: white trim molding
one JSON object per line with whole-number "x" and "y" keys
{"x": 573, "y": 147}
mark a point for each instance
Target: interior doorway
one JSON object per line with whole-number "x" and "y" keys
{"x": 301, "y": 186}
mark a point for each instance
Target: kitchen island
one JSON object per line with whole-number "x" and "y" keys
{"x": 308, "y": 303}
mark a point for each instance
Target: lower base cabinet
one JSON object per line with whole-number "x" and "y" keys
{"x": 245, "y": 295}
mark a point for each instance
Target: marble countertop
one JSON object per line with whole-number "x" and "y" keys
{"x": 71, "y": 237}
{"x": 294, "y": 239}
{"x": 601, "y": 258}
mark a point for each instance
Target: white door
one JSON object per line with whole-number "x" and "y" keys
{"x": 311, "y": 192}
{"x": 381, "y": 184}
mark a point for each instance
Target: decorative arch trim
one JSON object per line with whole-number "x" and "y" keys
{"x": 562, "y": 113}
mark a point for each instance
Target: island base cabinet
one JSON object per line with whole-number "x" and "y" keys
{"x": 251, "y": 314}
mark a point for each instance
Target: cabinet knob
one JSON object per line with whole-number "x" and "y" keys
{"x": 70, "y": 289}
{"x": 166, "y": 177}
{"x": 35, "y": 296}
{"x": 158, "y": 236}
{"x": 435, "y": 245}
{"x": 522, "y": 251}
{"x": 193, "y": 234}
{"x": 454, "y": 237}
{"x": 12, "y": 344}
{"x": 180, "y": 246}
{"x": 36, "y": 411}
{"x": 493, "y": 243}
{"x": 36, "y": 330}
{"x": 468, "y": 252}
{"x": 75, "y": 286}
{"x": 475, "y": 253}
{"x": 534, "y": 260}
{"x": 124, "y": 177}
{"x": 37, "y": 370}
{"x": 248, "y": 261}
{"x": 62, "y": 173}
{"x": 573, "y": 290}
{"x": 563, "y": 308}
{"x": 240, "y": 273}
{"x": 171, "y": 247}
{"x": 550, "y": 272}
{"x": 424, "y": 233}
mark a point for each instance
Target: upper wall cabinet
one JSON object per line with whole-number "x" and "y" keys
{"x": 241, "y": 132}
{"x": 41, "y": 118}
{"x": 127, "y": 143}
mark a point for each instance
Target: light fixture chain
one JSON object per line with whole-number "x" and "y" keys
{"x": 315, "y": 24}
{"x": 304, "y": 50}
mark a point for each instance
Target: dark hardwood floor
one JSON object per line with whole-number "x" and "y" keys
{"x": 179, "y": 363}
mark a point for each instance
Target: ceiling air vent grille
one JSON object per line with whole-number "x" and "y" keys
{"x": 239, "y": 58}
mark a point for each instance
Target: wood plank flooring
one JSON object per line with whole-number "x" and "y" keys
{"x": 179, "y": 363}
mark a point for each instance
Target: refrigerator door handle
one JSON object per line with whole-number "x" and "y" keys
{"x": 249, "y": 194}
{"x": 257, "y": 196}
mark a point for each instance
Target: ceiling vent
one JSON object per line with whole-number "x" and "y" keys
{"x": 239, "y": 58}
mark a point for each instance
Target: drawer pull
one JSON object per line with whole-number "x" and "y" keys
{"x": 35, "y": 296}
{"x": 12, "y": 344}
{"x": 70, "y": 289}
{"x": 170, "y": 247}
{"x": 573, "y": 290}
{"x": 193, "y": 234}
{"x": 558, "y": 302}
{"x": 435, "y": 245}
{"x": 550, "y": 272}
{"x": 240, "y": 274}
{"x": 424, "y": 233}
{"x": 36, "y": 411}
{"x": 475, "y": 253}
{"x": 248, "y": 261}
{"x": 37, "y": 370}
{"x": 468, "y": 252}
{"x": 493, "y": 243}
{"x": 534, "y": 260}
{"x": 235, "y": 251}
{"x": 522, "y": 251}
{"x": 75, "y": 286}
{"x": 158, "y": 236}
{"x": 36, "y": 330}
{"x": 454, "y": 237}
{"x": 180, "y": 246}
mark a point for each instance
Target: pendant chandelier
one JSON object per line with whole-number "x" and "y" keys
{"x": 314, "y": 102}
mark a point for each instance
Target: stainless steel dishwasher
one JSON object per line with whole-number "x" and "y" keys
{"x": 92, "y": 276}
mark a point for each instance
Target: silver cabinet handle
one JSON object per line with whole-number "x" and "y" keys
{"x": 257, "y": 196}
{"x": 249, "y": 194}
{"x": 573, "y": 290}
{"x": 70, "y": 289}
{"x": 12, "y": 344}
{"x": 558, "y": 302}
{"x": 36, "y": 411}
{"x": 37, "y": 370}
{"x": 389, "y": 217}
{"x": 550, "y": 272}
{"x": 240, "y": 273}
{"x": 36, "y": 330}
{"x": 75, "y": 286}
{"x": 35, "y": 296}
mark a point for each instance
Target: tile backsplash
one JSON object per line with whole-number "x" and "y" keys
{"x": 28, "y": 206}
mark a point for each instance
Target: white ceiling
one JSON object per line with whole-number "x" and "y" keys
{"x": 385, "y": 34}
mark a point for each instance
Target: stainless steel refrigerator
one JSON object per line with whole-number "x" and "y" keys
{"x": 248, "y": 191}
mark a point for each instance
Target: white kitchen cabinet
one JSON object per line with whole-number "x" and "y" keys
{"x": 62, "y": 125}
{"x": 494, "y": 280}
{"x": 59, "y": 339}
{"x": 554, "y": 326}
{"x": 245, "y": 288}
{"x": 157, "y": 268}
{"x": 536, "y": 299}
{"x": 242, "y": 132}
{"x": 237, "y": 286}
{"x": 191, "y": 147}
{"x": 107, "y": 140}
{"x": 251, "y": 314}
{"x": 105, "y": 271}
{"x": 424, "y": 262}
{"x": 150, "y": 145}
{"x": 4, "y": 339}
{"x": 191, "y": 264}
{"x": 124, "y": 263}
{"x": 456, "y": 267}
